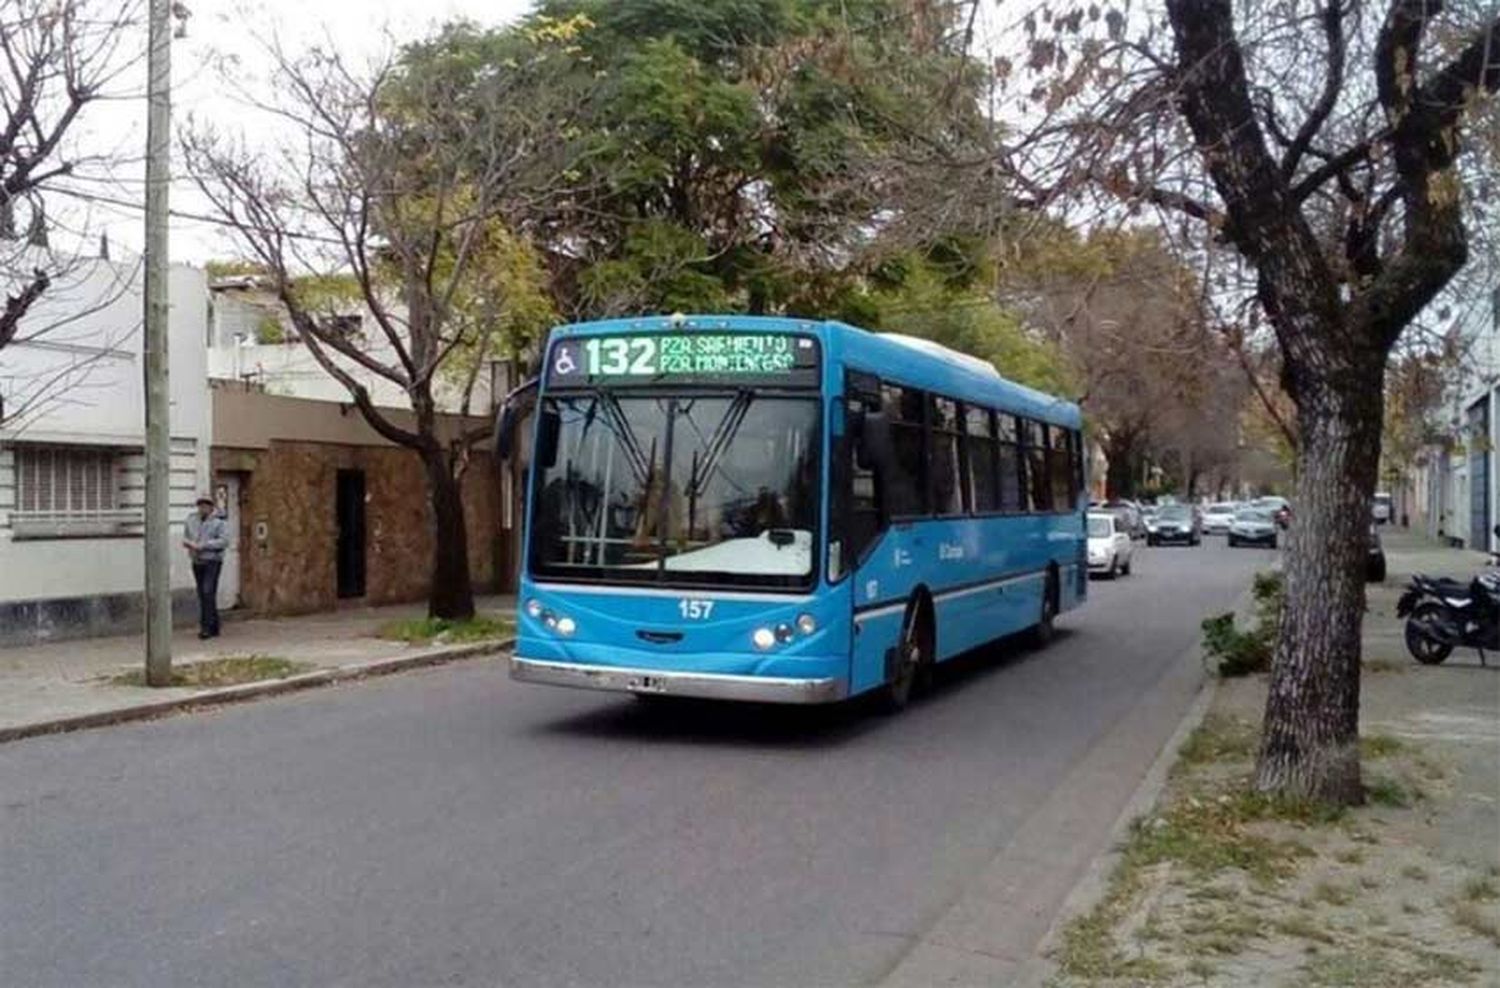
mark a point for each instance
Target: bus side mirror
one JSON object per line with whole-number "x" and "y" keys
{"x": 508, "y": 419}
{"x": 505, "y": 433}
{"x": 547, "y": 427}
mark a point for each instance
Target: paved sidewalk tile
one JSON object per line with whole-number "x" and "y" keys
{"x": 59, "y": 680}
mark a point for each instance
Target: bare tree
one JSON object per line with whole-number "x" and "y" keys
{"x": 1129, "y": 319}
{"x": 58, "y": 58}
{"x": 1320, "y": 150}
{"x": 393, "y": 190}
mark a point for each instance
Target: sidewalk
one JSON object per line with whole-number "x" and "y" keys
{"x": 1214, "y": 886}
{"x": 65, "y": 684}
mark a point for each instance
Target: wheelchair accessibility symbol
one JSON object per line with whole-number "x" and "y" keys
{"x": 564, "y": 364}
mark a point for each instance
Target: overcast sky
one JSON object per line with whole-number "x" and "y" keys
{"x": 226, "y": 29}
{"x": 221, "y": 32}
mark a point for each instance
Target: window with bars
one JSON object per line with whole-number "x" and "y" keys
{"x": 63, "y": 491}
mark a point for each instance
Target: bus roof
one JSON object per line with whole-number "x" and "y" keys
{"x": 910, "y": 360}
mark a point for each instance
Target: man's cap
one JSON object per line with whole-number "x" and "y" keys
{"x": 205, "y": 499}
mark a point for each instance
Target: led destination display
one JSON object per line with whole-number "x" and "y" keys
{"x": 681, "y": 355}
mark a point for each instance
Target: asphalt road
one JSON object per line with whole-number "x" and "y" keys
{"x": 452, "y": 827}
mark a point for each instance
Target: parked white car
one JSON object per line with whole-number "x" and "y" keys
{"x": 1110, "y": 546}
{"x": 1218, "y": 517}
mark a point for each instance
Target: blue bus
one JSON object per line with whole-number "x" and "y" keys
{"x": 782, "y": 510}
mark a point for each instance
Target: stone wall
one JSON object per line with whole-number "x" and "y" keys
{"x": 289, "y": 529}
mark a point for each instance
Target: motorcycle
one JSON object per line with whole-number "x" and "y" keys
{"x": 1443, "y": 614}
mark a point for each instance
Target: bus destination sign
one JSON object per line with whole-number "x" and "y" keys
{"x": 682, "y": 356}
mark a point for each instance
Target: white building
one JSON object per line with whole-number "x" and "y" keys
{"x": 72, "y": 485}
{"x": 1459, "y": 497}
{"x": 251, "y": 340}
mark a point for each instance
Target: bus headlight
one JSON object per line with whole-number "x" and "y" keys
{"x": 806, "y": 624}
{"x": 763, "y": 638}
{"x": 534, "y": 608}
{"x": 566, "y": 626}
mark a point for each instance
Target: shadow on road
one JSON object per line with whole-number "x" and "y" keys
{"x": 675, "y": 719}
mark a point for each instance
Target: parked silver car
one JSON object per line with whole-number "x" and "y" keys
{"x": 1253, "y": 526}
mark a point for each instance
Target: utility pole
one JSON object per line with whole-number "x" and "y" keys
{"x": 158, "y": 561}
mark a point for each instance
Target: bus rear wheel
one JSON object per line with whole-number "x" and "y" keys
{"x": 1044, "y": 630}
{"x": 913, "y": 663}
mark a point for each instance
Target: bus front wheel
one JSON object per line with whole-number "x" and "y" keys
{"x": 913, "y": 661}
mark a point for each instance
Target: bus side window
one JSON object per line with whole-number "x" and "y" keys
{"x": 947, "y": 475}
{"x": 984, "y": 491}
{"x": 907, "y": 490}
{"x": 1060, "y": 466}
{"x": 1075, "y": 451}
{"x": 1039, "y": 485}
{"x": 1012, "y": 499}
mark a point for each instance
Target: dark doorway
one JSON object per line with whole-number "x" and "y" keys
{"x": 351, "y": 535}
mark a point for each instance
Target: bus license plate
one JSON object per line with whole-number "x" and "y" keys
{"x": 646, "y": 684}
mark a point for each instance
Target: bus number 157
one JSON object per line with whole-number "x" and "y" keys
{"x": 695, "y": 610}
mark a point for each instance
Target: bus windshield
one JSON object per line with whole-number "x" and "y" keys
{"x": 704, "y": 489}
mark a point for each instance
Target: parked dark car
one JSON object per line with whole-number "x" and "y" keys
{"x": 1175, "y": 524}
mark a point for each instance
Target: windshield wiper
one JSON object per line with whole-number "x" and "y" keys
{"x": 718, "y": 442}
{"x": 620, "y": 423}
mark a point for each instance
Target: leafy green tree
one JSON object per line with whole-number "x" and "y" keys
{"x": 752, "y": 155}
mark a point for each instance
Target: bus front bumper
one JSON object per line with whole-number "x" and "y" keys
{"x": 658, "y": 682}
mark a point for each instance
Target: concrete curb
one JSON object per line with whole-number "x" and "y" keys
{"x": 252, "y": 691}
{"x": 1092, "y": 886}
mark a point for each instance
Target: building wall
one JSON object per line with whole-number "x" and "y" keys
{"x": 73, "y": 573}
{"x": 237, "y": 352}
{"x": 286, "y": 454}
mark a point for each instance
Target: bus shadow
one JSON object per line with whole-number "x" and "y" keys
{"x": 700, "y": 722}
{"x": 964, "y": 671}
{"x": 677, "y": 720}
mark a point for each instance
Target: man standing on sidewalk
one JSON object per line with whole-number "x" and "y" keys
{"x": 206, "y": 539}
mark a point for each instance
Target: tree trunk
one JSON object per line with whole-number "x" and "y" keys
{"x": 1120, "y": 462}
{"x": 452, "y": 594}
{"x": 1310, "y": 745}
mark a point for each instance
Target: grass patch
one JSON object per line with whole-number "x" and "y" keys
{"x": 1474, "y": 919}
{"x": 1332, "y": 893}
{"x": 1481, "y": 889}
{"x": 1414, "y": 872}
{"x": 1383, "y": 969}
{"x": 1388, "y": 792}
{"x": 1088, "y": 949}
{"x": 441, "y": 631}
{"x": 1353, "y": 856}
{"x": 1302, "y": 926}
{"x": 1380, "y": 746}
{"x": 1209, "y": 835}
{"x": 1218, "y": 738}
{"x": 221, "y": 672}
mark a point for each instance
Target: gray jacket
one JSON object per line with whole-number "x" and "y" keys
{"x": 211, "y": 533}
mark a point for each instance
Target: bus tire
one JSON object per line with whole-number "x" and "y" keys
{"x": 1042, "y": 633}
{"x": 914, "y": 660}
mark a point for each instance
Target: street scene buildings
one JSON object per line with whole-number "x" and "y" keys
{"x": 645, "y": 493}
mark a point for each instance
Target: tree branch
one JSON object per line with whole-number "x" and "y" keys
{"x": 1333, "y": 81}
